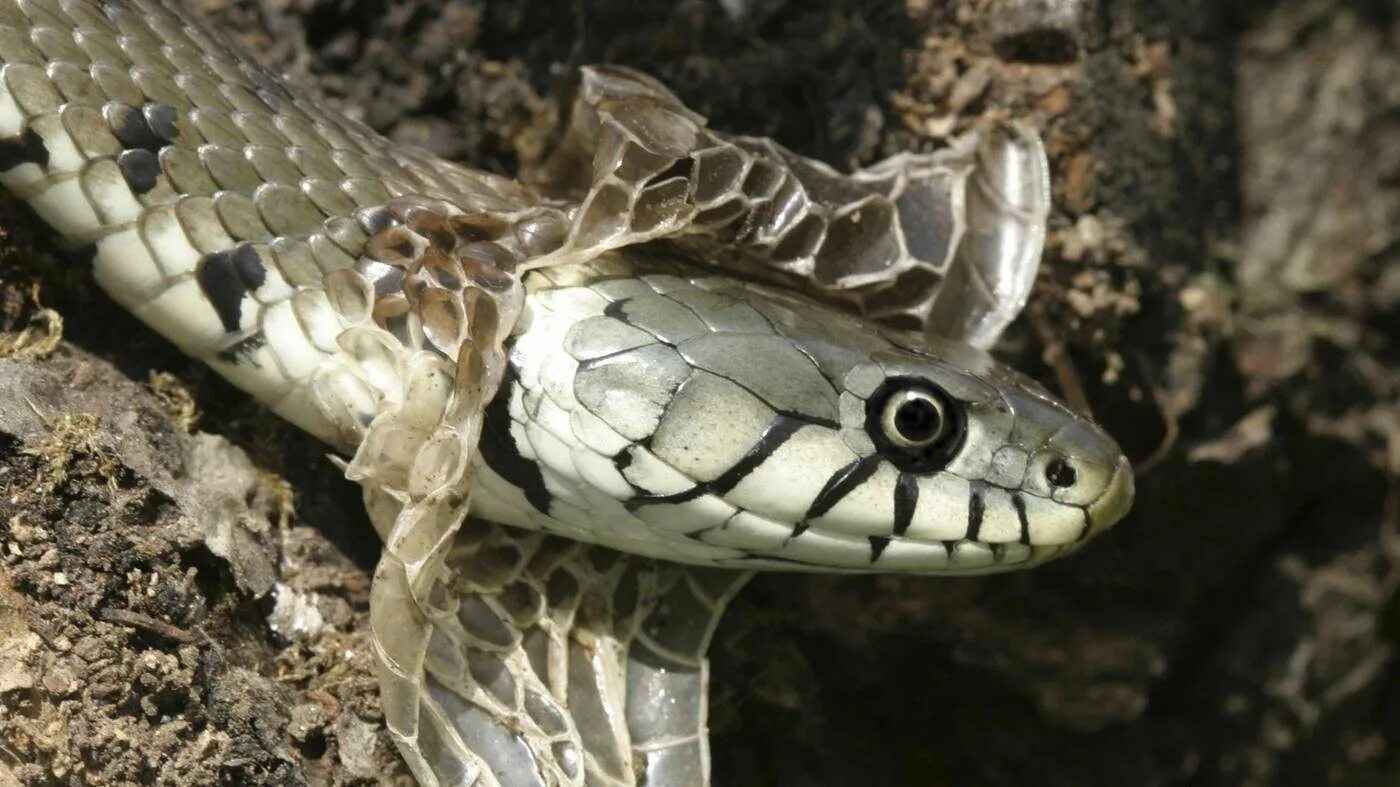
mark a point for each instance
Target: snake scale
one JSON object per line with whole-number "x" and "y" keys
{"x": 581, "y": 410}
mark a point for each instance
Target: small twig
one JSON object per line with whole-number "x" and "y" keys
{"x": 1171, "y": 431}
{"x": 1066, "y": 375}
{"x": 126, "y": 617}
{"x": 1171, "y": 421}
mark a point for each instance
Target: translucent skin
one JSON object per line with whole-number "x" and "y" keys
{"x": 703, "y": 419}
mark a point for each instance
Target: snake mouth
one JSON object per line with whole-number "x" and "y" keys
{"x": 1116, "y": 499}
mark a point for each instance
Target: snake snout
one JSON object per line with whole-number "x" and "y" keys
{"x": 1116, "y": 499}
{"x": 1083, "y": 478}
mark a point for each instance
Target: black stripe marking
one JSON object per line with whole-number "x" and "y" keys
{"x": 779, "y": 430}
{"x": 26, "y": 147}
{"x": 750, "y": 557}
{"x": 226, "y": 276}
{"x": 500, "y": 453}
{"x": 877, "y": 547}
{"x": 140, "y": 169}
{"x": 677, "y": 497}
{"x": 975, "y": 509}
{"x": 840, "y": 484}
{"x": 1019, "y": 503}
{"x": 906, "y": 498}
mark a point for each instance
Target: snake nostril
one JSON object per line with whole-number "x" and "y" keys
{"x": 1059, "y": 473}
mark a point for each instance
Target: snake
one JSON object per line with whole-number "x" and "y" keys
{"x": 582, "y": 408}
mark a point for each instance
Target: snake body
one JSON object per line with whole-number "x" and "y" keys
{"x": 664, "y": 352}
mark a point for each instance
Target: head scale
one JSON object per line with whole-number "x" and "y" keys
{"x": 733, "y": 424}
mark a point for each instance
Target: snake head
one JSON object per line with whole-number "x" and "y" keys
{"x": 714, "y": 421}
{"x": 978, "y": 458}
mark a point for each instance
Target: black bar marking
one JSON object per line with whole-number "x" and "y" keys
{"x": 906, "y": 499}
{"x": 501, "y": 454}
{"x": 134, "y": 133}
{"x": 1019, "y": 503}
{"x": 975, "y": 508}
{"x": 249, "y": 265}
{"x": 226, "y": 276}
{"x": 140, "y": 169}
{"x": 877, "y": 547}
{"x": 26, "y": 147}
{"x": 148, "y": 128}
{"x": 841, "y": 483}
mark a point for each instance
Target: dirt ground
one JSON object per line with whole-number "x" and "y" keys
{"x": 183, "y": 579}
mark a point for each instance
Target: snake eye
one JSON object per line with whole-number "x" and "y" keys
{"x": 913, "y": 419}
{"x": 914, "y": 424}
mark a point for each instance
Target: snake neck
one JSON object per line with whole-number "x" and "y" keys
{"x": 546, "y": 462}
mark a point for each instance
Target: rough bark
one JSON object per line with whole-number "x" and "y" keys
{"x": 1220, "y": 287}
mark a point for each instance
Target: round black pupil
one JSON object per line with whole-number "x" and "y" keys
{"x": 1059, "y": 474}
{"x": 917, "y": 420}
